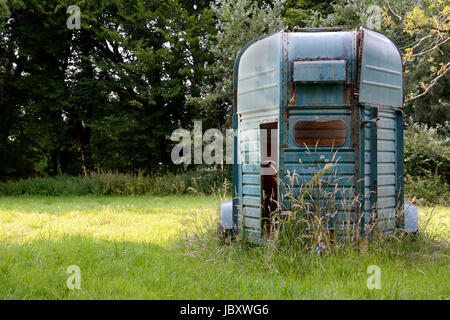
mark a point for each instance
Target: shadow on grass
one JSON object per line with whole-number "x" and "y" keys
{"x": 109, "y": 270}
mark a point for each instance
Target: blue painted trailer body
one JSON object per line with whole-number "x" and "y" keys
{"x": 351, "y": 80}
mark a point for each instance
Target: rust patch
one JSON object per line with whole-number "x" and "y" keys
{"x": 320, "y": 59}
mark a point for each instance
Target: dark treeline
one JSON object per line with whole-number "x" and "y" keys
{"x": 104, "y": 96}
{"x": 109, "y": 95}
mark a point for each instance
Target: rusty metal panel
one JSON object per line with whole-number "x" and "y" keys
{"x": 321, "y": 76}
{"x": 320, "y": 71}
{"x": 322, "y": 46}
{"x": 320, "y": 90}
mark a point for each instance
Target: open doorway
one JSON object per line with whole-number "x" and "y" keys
{"x": 269, "y": 171}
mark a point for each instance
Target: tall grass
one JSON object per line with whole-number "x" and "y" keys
{"x": 404, "y": 259}
{"x": 322, "y": 217}
{"x": 301, "y": 246}
{"x": 115, "y": 183}
{"x": 305, "y": 230}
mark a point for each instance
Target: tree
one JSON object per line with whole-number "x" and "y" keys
{"x": 238, "y": 22}
{"x": 421, "y": 31}
{"x": 158, "y": 58}
{"x": 298, "y": 12}
{"x": 427, "y": 61}
{"x": 13, "y": 155}
{"x": 106, "y": 95}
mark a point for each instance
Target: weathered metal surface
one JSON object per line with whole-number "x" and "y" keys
{"x": 319, "y": 71}
{"x": 399, "y": 183}
{"x": 226, "y": 215}
{"x": 322, "y": 76}
{"x": 358, "y": 141}
{"x": 353, "y": 77}
{"x": 369, "y": 135}
{"x": 257, "y": 101}
{"x": 259, "y": 77}
{"x": 237, "y": 174}
{"x": 381, "y": 71}
{"x": 386, "y": 169}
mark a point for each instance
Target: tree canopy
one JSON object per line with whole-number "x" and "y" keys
{"x": 109, "y": 94}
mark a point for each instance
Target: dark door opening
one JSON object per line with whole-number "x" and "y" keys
{"x": 269, "y": 171}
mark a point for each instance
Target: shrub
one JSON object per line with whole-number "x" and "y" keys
{"x": 115, "y": 183}
{"x": 427, "y": 191}
{"x": 427, "y": 164}
{"x": 427, "y": 151}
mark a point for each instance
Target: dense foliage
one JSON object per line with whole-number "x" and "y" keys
{"x": 115, "y": 183}
{"x": 102, "y": 96}
{"x": 421, "y": 31}
{"x": 427, "y": 164}
{"x": 108, "y": 96}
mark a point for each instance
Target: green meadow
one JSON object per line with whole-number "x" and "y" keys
{"x": 167, "y": 247}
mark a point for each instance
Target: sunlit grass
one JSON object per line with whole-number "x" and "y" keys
{"x": 156, "y": 220}
{"x": 436, "y": 220}
{"x": 143, "y": 248}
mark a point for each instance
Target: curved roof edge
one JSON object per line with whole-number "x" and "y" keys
{"x": 238, "y": 60}
{"x": 381, "y": 80}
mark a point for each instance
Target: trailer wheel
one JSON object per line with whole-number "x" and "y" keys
{"x": 224, "y": 234}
